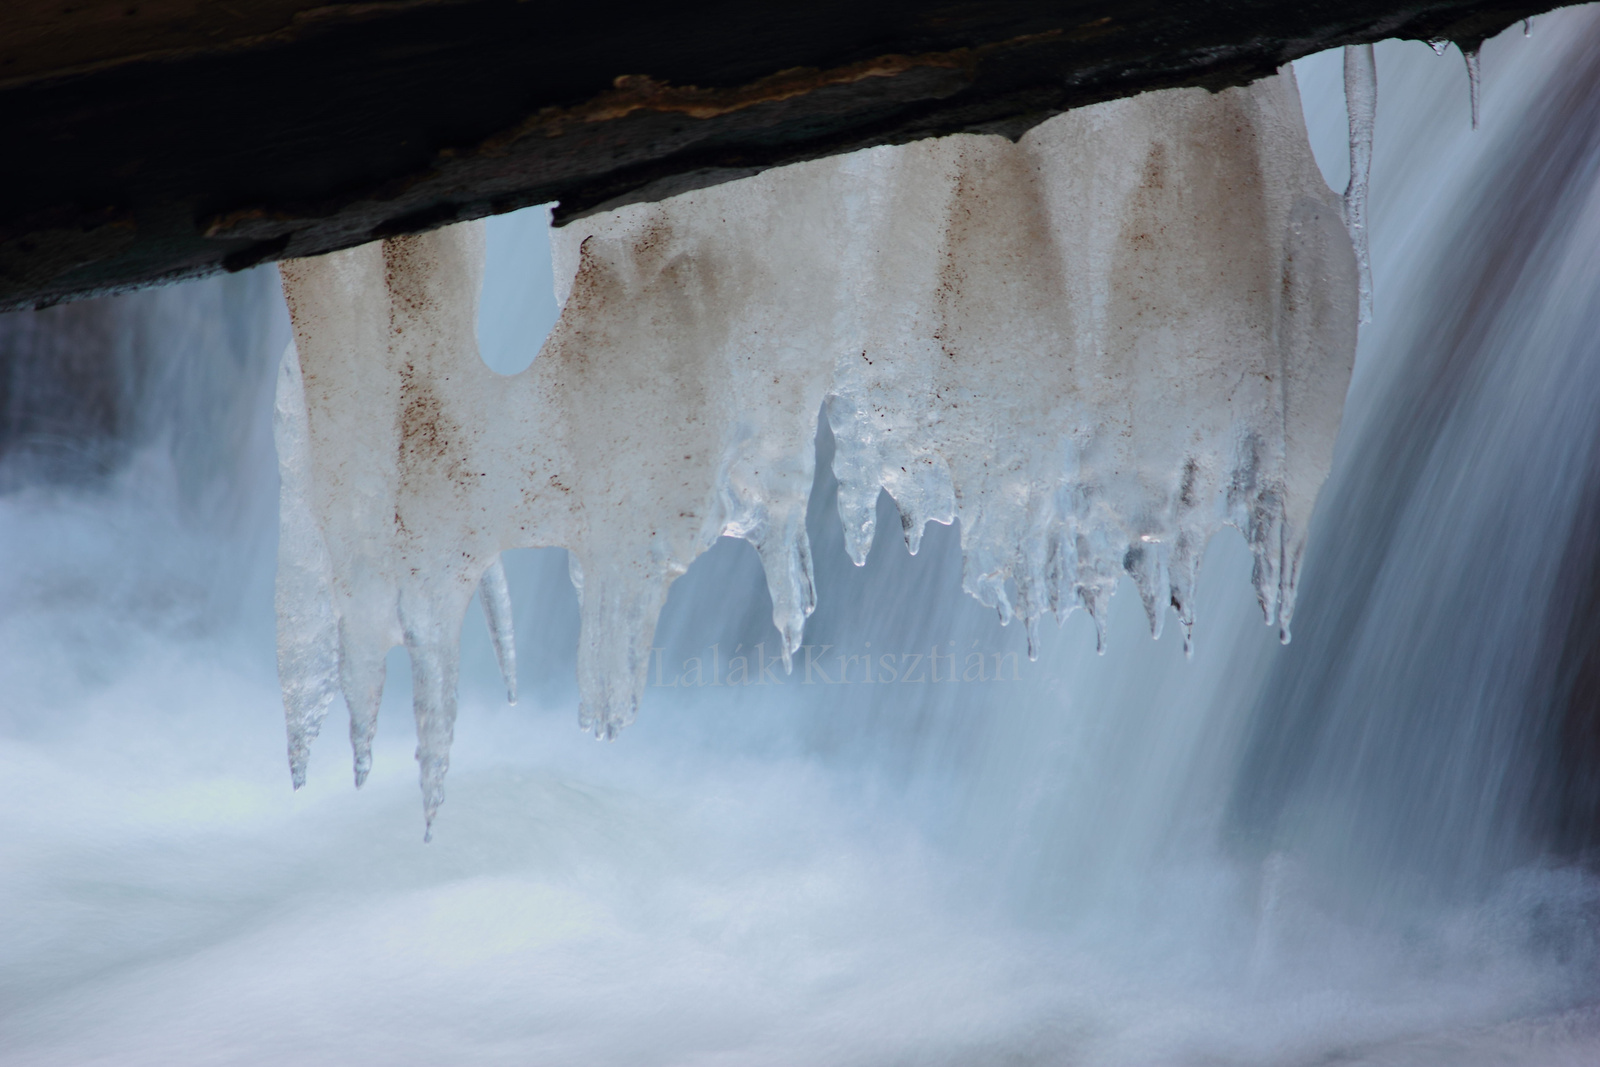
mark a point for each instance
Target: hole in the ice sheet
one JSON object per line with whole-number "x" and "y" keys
{"x": 518, "y": 308}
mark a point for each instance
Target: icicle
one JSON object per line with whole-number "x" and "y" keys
{"x": 1361, "y": 103}
{"x": 1061, "y": 571}
{"x": 1095, "y": 347}
{"x": 1183, "y": 567}
{"x": 1527, "y": 27}
{"x": 1097, "y": 606}
{"x": 381, "y": 333}
{"x": 308, "y": 643}
{"x": 1474, "y": 81}
{"x": 496, "y": 597}
{"x": 362, "y": 682}
{"x": 1146, "y": 564}
{"x": 1438, "y": 44}
{"x": 434, "y": 669}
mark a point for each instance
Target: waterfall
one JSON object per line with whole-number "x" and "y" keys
{"x": 1371, "y": 846}
{"x": 1420, "y": 735}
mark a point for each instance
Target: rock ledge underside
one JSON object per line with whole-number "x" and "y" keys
{"x": 153, "y": 140}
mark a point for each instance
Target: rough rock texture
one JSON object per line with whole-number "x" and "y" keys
{"x": 171, "y": 138}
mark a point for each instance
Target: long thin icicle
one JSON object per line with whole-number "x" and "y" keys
{"x": 308, "y": 644}
{"x": 1474, "y": 80}
{"x": 1361, "y": 103}
{"x": 496, "y": 597}
{"x": 1094, "y": 348}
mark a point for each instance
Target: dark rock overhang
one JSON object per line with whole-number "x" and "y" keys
{"x": 152, "y": 140}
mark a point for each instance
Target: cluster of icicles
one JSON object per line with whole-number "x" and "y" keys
{"x": 1094, "y": 348}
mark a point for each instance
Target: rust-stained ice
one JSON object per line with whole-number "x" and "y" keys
{"x": 1094, "y": 347}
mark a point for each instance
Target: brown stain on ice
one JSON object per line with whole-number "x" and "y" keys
{"x": 1192, "y": 253}
{"x": 431, "y": 444}
{"x": 1000, "y": 256}
{"x": 424, "y": 430}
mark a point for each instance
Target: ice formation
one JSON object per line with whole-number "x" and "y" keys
{"x": 1094, "y": 347}
{"x": 1474, "y": 81}
{"x": 1361, "y": 103}
{"x": 1470, "y": 55}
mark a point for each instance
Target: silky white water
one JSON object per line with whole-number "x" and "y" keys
{"x": 1127, "y": 859}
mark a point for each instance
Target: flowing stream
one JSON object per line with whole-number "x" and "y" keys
{"x": 1367, "y": 847}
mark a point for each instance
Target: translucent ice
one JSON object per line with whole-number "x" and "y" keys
{"x": 1361, "y": 102}
{"x": 495, "y": 594}
{"x": 308, "y": 648}
{"x": 1474, "y": 81}
{"x": 376, "y": 390}
{"x": 1095, "y": 347}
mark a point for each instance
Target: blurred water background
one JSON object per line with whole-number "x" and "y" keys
{"x": 1369, "y": 847}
